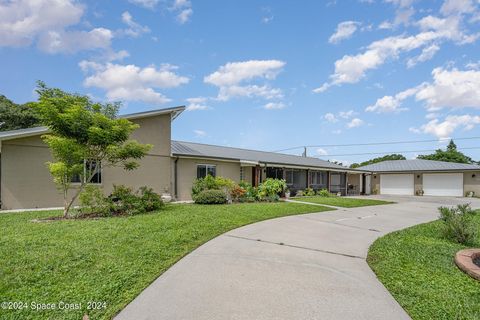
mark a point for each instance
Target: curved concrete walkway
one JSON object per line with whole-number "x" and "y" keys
{"x": 310, "y": 266}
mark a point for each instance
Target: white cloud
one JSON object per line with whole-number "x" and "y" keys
{"x": 150, "y": 4}
{"x": 134, "y": 29}
{"x": 230, "y": 79}
{"x": 344, "y": 31}
{"x": 444, "y": 129}
{"x": 322, "y": 152}
{"x": 22, "y": 21}
{"x": 47, "y": 23}
{"x": 274, "y": 106}
{"x": 356, "y": 122}
{"x": 346, "y": 114}
{"x": 184, "y": 15}
{"x": 330, "y": 117}
{"x": 132, "y": 83}
{"x": 196, "y": 104}
{"x": 235, "y": 72}
{"x": 389, "y": 104}
{"x": 184, "y": 10}
{"x": 451, "y": 89}
{"x": 427, "y": 54}
{"x": 473, "y": 65}
{"x": 199, "y": 133}
{"x": 74, "y": 41}
{"x": 385, "y": 25}
{"x": 352, "y": 68}
{"x": 457, "y": 7}
{"x": 337, "y": 131}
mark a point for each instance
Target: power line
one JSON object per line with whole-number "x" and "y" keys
{"x": 375, "y": 143}
{"x": 388, "y": 152}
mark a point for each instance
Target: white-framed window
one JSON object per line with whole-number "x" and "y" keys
{"x": 242, "y": 173}
{"x": 90, "y": 167}
{"x": 206, "y": 169}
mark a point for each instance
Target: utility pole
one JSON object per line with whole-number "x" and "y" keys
{"x": 304, "y": 154}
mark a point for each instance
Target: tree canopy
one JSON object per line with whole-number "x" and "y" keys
{"x": 379, "y": 159}
{"x": 451, "y": 154}
{"x": 16, "y": 116}
{"x": 81, "y": 132}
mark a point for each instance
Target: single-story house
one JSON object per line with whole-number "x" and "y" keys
{"x": 170, "y": 167}
{"x": 427, "y": 177}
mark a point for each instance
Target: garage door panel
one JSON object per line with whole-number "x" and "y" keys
{"x": 443, "y": 184}
{"x": 397, "y": 184}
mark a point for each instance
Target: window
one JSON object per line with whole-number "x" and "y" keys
{"x": 90, "y": 167}
{"x": 204, "y": 169}
{"x": 318, "y": 178}
{"x": 242, "y": 173}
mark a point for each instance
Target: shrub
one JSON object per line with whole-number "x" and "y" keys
{"x": 308, "y": 192}
{"x": 93, "y": 201}
{"x": 324, "y": 193}
{"x": 237, "y": 193}
{"x": 271, "y": 187}
{"x": 211, "y": 183}
{"x": 150, "y": 200}
{"x": 211, "y": 197}
{"x": 458, "y": 224}
{"x": 200, "y": 184}
{"x": 251, "y": 192}
{"x": 125, "y": 201}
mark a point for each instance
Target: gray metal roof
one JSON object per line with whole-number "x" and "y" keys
{"x": 181, "y": 148}
{"x": 20, "y": 133}
{"x": 418, "y": 165}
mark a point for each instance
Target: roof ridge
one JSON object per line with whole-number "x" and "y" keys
{"x": 283, "y": 154}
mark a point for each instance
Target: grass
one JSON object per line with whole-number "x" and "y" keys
{"x": 416, "y": 265}
{"x": 111, "y": 259}
{"x": 345, "y": 202}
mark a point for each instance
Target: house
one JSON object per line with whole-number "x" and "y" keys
{"x": 170, "y": 167}
{"x": 416, "y": 177}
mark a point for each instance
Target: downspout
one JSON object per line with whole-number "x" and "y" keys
{"x": 175, "y": 175}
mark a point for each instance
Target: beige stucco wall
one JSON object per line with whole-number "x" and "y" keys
{"x": 187, "y": 173}
{"x": 27, "y": 183}
{"x": 25, "y": 179}
{"x": 154, "y": 170}
{"x": 472, "y": 183}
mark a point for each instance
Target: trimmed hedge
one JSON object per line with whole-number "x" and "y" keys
{"x": 211, "y": 197}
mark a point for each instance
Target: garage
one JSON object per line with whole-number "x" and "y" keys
{"x": 443, "y": 184}
{"x": 397, "y": 184}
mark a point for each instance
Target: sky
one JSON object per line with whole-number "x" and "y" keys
{"x": 266, "y": 75}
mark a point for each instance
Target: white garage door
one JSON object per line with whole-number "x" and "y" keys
{"x": 401, "y": 184}
{"x": 443, "y": 184}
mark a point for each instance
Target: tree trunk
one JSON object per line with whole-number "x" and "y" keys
{"x": 69, "y": 205}
{"x": 65, "y": 203}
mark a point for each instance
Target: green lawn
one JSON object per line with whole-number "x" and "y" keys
{"x": 111, "y": 259}
{"x": 417, "y": 267}
{"x": 342, "y": 201}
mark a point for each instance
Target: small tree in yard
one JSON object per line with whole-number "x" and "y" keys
{"x": 80, "y": 131}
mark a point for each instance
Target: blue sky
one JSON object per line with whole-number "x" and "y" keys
{"x": 266, "y": 75}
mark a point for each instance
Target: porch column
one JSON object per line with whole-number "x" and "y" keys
{"x": 308, "y": 178}
{"x": 346, "y": 183}
{"x": 329, "y": 182}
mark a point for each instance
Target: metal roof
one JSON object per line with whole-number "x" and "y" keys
{"x": 21, "y": 133}
{"x": 191, "y": 149}
{"x": 418, "y": 165}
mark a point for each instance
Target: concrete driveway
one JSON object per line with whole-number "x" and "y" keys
{"x": 310, "y": 266}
